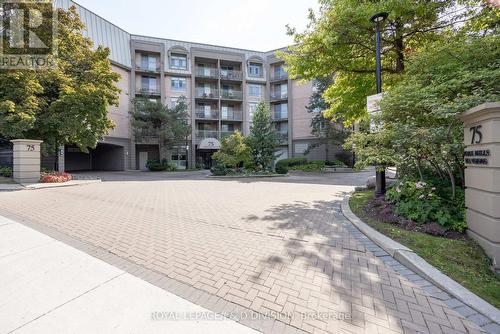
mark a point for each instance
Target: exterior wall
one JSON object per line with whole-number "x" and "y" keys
{"x": 126, "y": 56}
{"x": 120, "y": 114}
{"x": 300, "y": 95}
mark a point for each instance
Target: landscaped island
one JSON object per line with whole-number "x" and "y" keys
{"x": 444, "y": 245}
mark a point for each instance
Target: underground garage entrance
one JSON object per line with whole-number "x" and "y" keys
{"x": 105, "y": 157}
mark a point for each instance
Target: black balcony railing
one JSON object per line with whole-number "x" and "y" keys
{"x": 278, "y": 115}
{"x": 279, "y": 76}
{"x": 225, "y": 134}
{"x": 275, "y": 96}
{"x": 149, "y": 91}
{"x": 150, "y": 69}
{"x": 206, "y": 114}
{"x": 283, "y": 138}
{"x": 204, "y": 93}
{"x": 207, "y": 72}
{"x": 232, "y": 94}
{"x": 232, "y": 115}
{"x": 231, "y": 75}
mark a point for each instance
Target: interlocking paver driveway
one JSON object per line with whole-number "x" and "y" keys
{"x": 269, "y": 246}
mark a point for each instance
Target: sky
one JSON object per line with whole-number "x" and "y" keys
{"x": 248, "y": 24}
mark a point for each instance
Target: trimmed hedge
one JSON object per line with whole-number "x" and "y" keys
{"x": 160, "y": 166}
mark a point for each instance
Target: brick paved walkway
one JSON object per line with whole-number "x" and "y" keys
{"x": 269, "y": 246}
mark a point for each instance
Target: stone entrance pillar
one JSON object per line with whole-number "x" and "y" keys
{"x": 482, "y": 176}
{"x": 26, "y": 161}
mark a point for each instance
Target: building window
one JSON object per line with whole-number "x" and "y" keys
{"x": 149, "y": 84}
{"x": 255, "y": 90}
{"x": 255, "y": 70}
{"x": 149, "y": 63}
{"x": 252, "y": 108}
{"x": 178, "y": 84}
{"x": 178, "y": 61}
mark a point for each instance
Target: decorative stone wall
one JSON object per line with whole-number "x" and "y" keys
{"x": 26, "y": 161}
{"x": 482, "y": 176}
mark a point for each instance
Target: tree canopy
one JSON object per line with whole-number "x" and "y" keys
{"x": 169, "y": 124}
{"x": 421, "y": 132}
{"x": 65, "y": 104}
{"x": 340, "y": 43}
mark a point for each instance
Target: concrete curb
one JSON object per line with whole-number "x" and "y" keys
{"x": 38, "y": 186}
{"x": 417, "y": 264}
{"x": 246, "y": 176}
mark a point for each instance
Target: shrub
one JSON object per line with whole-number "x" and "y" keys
{"x": 294, "y": 162}
{"x": 234, "y": 152}
{"x": 310, "y": 167}
{"x": 55, "y": 177}
{"x": 220, "y": 170}
{"x": 281, "y": 167}
{"x": 423, "y": 203}
{"x": 320, "y": 163}
{"x": 336, "y": 163}
{"x": 160, "y": 166}
{"x": 6, "y": 171}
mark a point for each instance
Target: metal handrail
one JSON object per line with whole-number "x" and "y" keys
{"x": 149, "y": 91}
{"x": 207, "y": 72}
{"x": 232, "y": 94}
{"x": 234, "y": 115}
{"x": 231, "y": 75}
{"x": 202, "y": 134}
{"x": 279, "y": 76}
{"x": 147, "y": 69}
{"x": 203, "y": 114}
{"x": 279, "y": 96}
{"x": 201, "y": 92}
{"x": 280, "y": 115}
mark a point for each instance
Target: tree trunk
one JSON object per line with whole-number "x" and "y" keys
{"x": 399, "y": 46}
{"x": 453, "y": 182}
{"x": 56, "y": 156}
{"x": 419, "y": 168}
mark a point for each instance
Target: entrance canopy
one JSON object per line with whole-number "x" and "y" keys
{"x": 209, "y": 144}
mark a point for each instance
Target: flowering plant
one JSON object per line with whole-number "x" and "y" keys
{"x": 54, "y": 177}
{"x": 420, "y": 202}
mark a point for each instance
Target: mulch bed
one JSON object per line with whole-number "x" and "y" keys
{"x": 383, "y": 211}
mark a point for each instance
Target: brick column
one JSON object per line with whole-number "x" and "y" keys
{"x": 482, "y": 176}
{"x": 26, "y": 161}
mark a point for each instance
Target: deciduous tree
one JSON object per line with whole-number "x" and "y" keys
{"x": 66, "y": 104}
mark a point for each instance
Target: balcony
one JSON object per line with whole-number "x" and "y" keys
{"x": 232, "y": 95}
{"x": 147, "y": 136}
{"x": 278, "y": 76}
{"x": 283, "y": 138}
{"x": 235, "y": 115}
{"x": 225, "y": 134}
{"x": 203, "y": 134}
{"x": 231, "y": 75}
{"x": 207, "y": 72}
{"x": 149, "y": 91}
{"x": 203, "y": 93}
{"x": 277, "y": 96}
{"x": 147, "y": 69}
{"x": 280, "y": 115}
{"x": 205, "y": 114}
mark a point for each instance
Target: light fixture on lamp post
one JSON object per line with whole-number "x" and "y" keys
{"x": 378, "y": 19}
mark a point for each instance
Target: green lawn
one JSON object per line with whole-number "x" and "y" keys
{"x": 462, "y": 260}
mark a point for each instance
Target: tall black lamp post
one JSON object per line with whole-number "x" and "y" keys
{"x": 377, "y": 19}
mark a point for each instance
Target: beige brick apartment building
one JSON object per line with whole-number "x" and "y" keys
{"x": 223, "y": 86}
